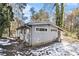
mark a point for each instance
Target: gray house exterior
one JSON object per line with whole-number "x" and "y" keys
{"x": 38, "y": 33}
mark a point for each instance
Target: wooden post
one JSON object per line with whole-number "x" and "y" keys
{"x": 59, "y": 35}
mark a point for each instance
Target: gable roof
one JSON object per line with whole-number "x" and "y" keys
{"x": 44, "y": 23}
{"x": 22, "y": 27}
{"x": 38, "y": 23}
{"x": 28, "y": 25}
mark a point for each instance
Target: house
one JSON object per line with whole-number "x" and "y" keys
{"x": 38, "y": 33}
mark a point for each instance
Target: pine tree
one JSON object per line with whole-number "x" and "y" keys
{"x": 6, "y": 16}
{"x": 59, "y": 17}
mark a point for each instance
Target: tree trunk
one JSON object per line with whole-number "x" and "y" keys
{"x": 59, "y": 36}
{"x": 62, "y": 15}
{"x": 57, "y": 15}
{"x": 9, "y": 31}
{"x": 1, "y": 31}
{"x": 0, "y": 34}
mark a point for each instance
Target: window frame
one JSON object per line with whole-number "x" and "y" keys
{"x": 53, "y": 30}
{"x": 41, "y": 29}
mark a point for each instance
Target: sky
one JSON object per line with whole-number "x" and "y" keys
{"x": 71, "y": 6}
{"x": 37, "y": 6}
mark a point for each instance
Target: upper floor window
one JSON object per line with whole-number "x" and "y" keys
{"x": 41, "y": 29}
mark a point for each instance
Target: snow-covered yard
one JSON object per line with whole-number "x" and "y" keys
{"x": 56, "y": 49}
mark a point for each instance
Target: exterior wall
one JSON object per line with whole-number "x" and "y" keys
{"x": 19, "y": 34}
{"x": 34, "y": 37}
{"x": 23, "y": 34}
{"x": 42, "y": 37}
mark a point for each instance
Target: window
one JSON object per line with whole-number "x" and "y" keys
{"x": 53, "y": 30}
{"x": 41, "y": 29}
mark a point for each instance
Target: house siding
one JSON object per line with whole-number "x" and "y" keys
{"x": 42, "y": 37}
